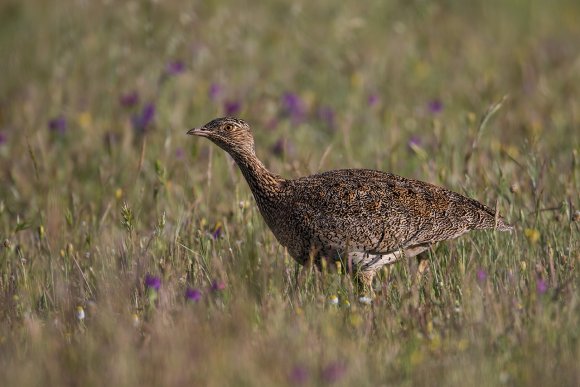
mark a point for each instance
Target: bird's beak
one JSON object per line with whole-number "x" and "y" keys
{"x": 198, "y": 132}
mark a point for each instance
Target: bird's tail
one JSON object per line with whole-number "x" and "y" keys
{"x": 501, "y": 225}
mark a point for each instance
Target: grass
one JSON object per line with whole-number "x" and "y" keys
{"x": 98, "y": 191}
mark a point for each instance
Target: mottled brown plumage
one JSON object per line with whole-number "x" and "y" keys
{"x": 363, "y": 217}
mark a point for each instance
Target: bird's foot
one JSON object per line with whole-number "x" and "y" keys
{"x": 364, "y": 286}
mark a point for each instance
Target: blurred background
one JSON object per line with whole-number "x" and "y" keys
{"x": 107, "y": 206}
{"x": 360, "y": 83}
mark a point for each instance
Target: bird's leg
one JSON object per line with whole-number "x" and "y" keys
{"x": 422, "y": 267}
{"x": 422, "y": 259}
{"x": 364, "y": 283}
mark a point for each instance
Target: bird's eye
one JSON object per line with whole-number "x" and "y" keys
{"x": 229, "y": 127}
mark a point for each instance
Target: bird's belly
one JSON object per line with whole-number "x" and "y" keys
{"x": 371, "y": 262}
{"x": 359, "y": 260}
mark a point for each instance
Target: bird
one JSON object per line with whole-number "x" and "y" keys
{"x": 363, "y": 218}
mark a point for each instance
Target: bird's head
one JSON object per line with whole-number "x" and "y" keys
{"x": 231, "y": 134}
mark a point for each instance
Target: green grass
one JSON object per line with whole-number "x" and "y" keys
{"x": 87, "y": 212}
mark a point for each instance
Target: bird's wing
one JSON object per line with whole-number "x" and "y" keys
{"x": 376, "y": 212}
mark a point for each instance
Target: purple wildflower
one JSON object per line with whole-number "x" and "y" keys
{"x": 217, "y": 231}
{"x": 147, "y": 114}
{"x": 3, "y": 138}
{"x": 435, "y": 106}
{"x": 192, "y": 294}
{"x": 217, "y": 286}
{"x": 282, "y": 147}
{"x": 231, "y": 108}
{"x": 541, "y": 286}
{"x": 333, "y": 372}
{"x": 152, "y": 282}
{"x": 294, "y": 107}
{"x": 414, "y": 142}
{"x": 129, "y": 99}
{"x": 481, "y": 276}
{"x": 299, "y": 375}
{"x": 175, "y": 67}
{"x": 179, "y": 153}
{"x": 215, "y": 91}
{"x": 373, "y": 99}
{"x": 58, "y": 125}
{"x": 326, "y": 114}
{"x": 278, "y": 147}
{"x": 142, "y": 120}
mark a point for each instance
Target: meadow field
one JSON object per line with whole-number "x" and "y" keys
{"x": 133, "y": 254}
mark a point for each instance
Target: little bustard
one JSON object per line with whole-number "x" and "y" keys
{"x": 364, "y": 218}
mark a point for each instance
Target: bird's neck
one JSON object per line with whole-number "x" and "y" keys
{"x": 264, "y": 184}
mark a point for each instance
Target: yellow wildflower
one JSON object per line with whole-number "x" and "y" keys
{"x": 532, "y": 234}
